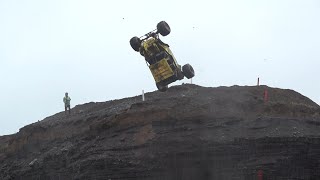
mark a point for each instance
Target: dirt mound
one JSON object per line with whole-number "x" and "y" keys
{"x": 188, "y": 132}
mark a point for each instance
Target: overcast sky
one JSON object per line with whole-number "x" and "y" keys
{"x": 48, "y": 47}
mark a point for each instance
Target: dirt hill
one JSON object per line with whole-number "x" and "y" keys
{"x": 189, "y": 132}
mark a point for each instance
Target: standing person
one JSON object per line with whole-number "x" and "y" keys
{"x": 66, "y": 101}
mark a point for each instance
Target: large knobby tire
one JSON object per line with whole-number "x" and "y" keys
{"x": 135, "y": 43}
{"x": 188, "y": 71}
{"x": 161, "y": 87}
{"x": 163, "y": 28}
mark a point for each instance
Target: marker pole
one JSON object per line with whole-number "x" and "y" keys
{"x": 143, "y": 95}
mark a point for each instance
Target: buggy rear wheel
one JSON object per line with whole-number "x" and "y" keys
{"x": 135, "y": 43}
{"x": 161, "y": 87}
{"x": 188, "y": 71}
{"x": 163, "y": 28}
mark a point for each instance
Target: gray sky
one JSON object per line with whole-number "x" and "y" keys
{"x": 82, "y": 46}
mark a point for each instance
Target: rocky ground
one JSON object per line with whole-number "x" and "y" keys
{"x": 189, "y": 132}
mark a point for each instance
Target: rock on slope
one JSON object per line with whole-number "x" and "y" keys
{"x": 188, "y": 132}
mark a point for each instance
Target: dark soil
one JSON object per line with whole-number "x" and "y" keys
{"x": 187, "y": 133}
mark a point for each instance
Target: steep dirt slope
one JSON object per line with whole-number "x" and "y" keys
{"x": 188, "y": 132}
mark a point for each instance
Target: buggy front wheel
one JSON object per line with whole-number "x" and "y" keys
{"x": 163, "y": 28}
{"x": 188, "y": 71}
{"x": 135, "y": 43}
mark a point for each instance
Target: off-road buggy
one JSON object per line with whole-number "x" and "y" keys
{"x": 159, "y": 58}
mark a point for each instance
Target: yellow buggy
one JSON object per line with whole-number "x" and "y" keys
{"x": 160, "y": 60}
